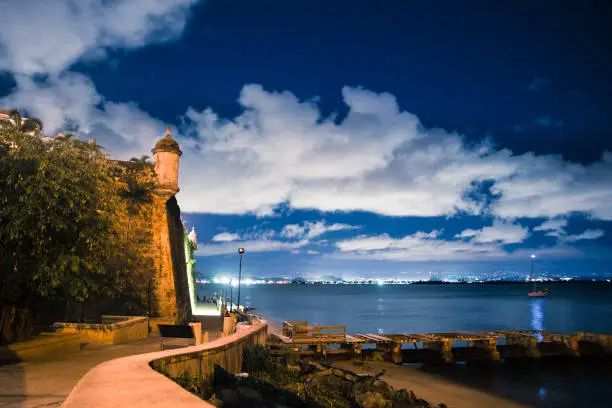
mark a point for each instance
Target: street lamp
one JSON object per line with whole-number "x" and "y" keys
{"x": 240, "y": 252}
{"x": 231, "y": 295}
{"x": 533, "y": 257}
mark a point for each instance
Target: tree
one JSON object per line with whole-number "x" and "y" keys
{"x": 58, "y": 210}
{"x": 137, "y": 194}
{"x": 27, "y": 125}
{"x": 144, "y": 159}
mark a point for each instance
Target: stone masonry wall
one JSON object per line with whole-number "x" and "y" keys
{"x": 164, "y": 303}
{"x": 179, "y": 263}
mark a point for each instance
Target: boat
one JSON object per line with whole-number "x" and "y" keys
{"x": 535, "y": 292}
{"x": 539, "y": 293}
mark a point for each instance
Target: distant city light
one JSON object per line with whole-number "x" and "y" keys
{"x": 533, "y": 256}
{"x": 545, "y": 276}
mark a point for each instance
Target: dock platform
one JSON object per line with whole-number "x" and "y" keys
{"x": 300, "y": 338}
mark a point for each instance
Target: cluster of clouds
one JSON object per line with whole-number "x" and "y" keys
{"x": 291, "y": 237}
{"x": 47, "y": 37}
{"x": 281, "y": 150}
{"x": 555, "y": 227}
{"x": 377, "y": 158}
{"x": 499, "y": 231}
{"x": 488, "y": 242}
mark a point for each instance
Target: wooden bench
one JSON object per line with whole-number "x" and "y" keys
{"x": 289, "y": 327}
{"x": 175, "y": 331}
{"x": 302, "y": 333}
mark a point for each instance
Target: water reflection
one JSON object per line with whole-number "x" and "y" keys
{"x": 542, "y": 393}
{"x": 537, "y": 316}
{"x": 381, "y": 316}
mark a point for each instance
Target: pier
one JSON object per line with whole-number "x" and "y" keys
{"x": 300, "y": 338}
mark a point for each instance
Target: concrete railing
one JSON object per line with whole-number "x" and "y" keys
{"x": 112, "y": 330}
{"x": 132, "y": 381}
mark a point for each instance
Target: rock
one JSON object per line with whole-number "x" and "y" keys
{"x": 222, "y": 378}
{"x": 250, "y": 397}
{"x": 229, "y": 397}
{"x": 382, "y": 388}
{"x": 413, "y": 397}
{"x": 372, "y": 400}
{"x": 319, "y": 381}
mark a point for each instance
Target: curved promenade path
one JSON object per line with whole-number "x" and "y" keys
{"x": 46, "y": 382}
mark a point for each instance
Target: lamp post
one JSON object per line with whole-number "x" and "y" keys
{"x": 231, "y": 295}
{"x": 533, "y": 257}
{"x": 222, "y": 298}
{"x": 240, "y": 252}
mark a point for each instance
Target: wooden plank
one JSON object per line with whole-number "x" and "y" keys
{"x": 322, "y": 328}
{"x": 402, "y": 338}
{"x": 420, "y": 337}
{"x": 295, "y": 323}
{"x": 370, "y": 338}
{"x": 284, "y": 339}
{"x": 315, "y": 336}
{"x": 352, "y": 339}
{"x": 299, "y": 352}
{"x": 380, "y": 338}
{"x": 337, "y": 351}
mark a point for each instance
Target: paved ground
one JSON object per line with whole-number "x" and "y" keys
{"x": 47, "y": 382}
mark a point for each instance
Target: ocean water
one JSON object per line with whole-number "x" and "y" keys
{"x": 476, "y": 307}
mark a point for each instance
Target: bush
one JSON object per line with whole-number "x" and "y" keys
{"x": 257, "y": 359}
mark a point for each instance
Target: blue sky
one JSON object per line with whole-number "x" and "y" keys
{"x": 343, "y": 138}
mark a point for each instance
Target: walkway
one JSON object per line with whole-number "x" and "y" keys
{"x": 47, "y": 382}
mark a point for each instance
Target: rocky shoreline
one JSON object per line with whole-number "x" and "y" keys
{"x": 289, "y": 382}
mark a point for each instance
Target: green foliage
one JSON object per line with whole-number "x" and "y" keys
{"x": 144, "y": 159}
{"x": 62, "y": 223}
{"x": 22, "y": 124}
{"x": 256, "y": 358}
{"x": 137, "y": 193}
{"x": 372, "y": 400}
{"x": 55, "y": 218}
{"x": 330, "y": 390}
{"x": 337, "y": 395}
{"x": 189, "y": 382}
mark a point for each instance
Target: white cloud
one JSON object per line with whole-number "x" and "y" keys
{"x": 467, "y": 233}
{"x": 293, "y": 231}
{"x": 588, "y": 234}
{"x": 281, "y": 150}
{"x": 225, "y": 237}
{"x": 430, "y": 247}
{"x": 48, "y": 36}
{"x": 292, "y": 237}
{"x": 376, "y": 159}
{"x": 70, "y": 99}
{"x": 264, "y": 245}
{"x": 312, "y": 252}
{"x": 500, "y": 231}
{"x": 320, "y": 227}
{"x": 416, "y": 247}
{"x": 311, "y": 230}
{"x": 554, "y": 227}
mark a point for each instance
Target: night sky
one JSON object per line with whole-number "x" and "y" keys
{"x": 345, "y": 138}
